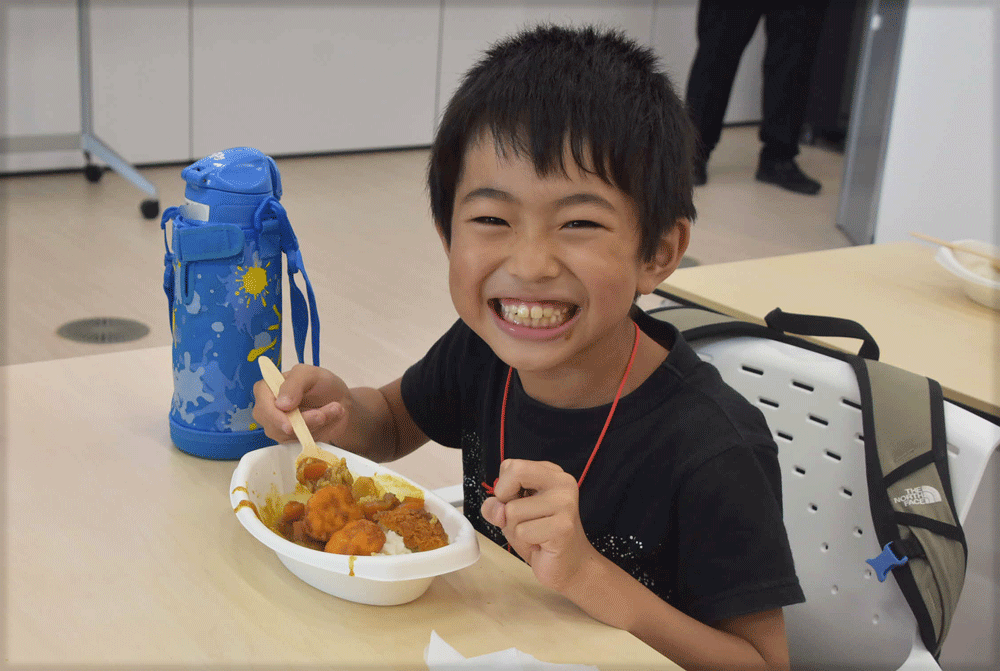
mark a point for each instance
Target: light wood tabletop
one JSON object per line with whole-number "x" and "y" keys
{"x": 123, "y": 550}
{"x": 914, "y": 308}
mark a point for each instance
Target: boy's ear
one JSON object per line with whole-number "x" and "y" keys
{"x": 668, "y": 256}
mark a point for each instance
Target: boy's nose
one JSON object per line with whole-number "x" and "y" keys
{"x": 532, "y": 259}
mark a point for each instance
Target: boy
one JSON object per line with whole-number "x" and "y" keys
{"x": 595, "y": 442}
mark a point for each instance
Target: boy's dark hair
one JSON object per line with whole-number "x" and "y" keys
{"x": 596, "y": 88}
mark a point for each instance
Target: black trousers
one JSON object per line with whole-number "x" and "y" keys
{"x": 792, "y": 32}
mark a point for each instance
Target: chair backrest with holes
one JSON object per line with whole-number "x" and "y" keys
{"x": 814, "y": 405}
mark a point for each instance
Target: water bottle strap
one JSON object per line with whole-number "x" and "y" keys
{"x": 168, "y": 258}
{"x": 300, "y": 319}
{"x": 209, "y": 243}
{"x": 304, "y": 314}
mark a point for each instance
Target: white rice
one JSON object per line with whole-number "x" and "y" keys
{"x": 393, "y": 544}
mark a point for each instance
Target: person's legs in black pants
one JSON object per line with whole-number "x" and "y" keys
{"x": 723, "y": 34}
{"x": 792, "y": 36}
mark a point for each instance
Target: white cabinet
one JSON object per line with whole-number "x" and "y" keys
{"x": 670, "y": 28}
{"x": 308, "y": 77}
{"x": 141, "y": 64}
{"x": 470, "y": 26}
{"x": 41, "y": 84}
{"x": 175, "y": 80}
{"x": 139, "y": 58}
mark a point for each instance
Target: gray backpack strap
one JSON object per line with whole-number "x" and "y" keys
{"x": 695, "y": 323}
{"x": 909, "y": 488}
{"x": 686, "y": 319}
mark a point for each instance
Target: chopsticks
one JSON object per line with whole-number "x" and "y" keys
{"x": 994, "y": 261}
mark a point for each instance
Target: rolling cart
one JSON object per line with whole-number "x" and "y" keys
{"x": 91, "y": 145}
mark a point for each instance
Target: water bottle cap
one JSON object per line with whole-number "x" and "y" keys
{"x": 237, "y": 170}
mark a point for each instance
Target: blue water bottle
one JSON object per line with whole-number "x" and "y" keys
{"x": 222, "y": 278}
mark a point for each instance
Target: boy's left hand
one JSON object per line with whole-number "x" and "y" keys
{"x": 544, "y": 527}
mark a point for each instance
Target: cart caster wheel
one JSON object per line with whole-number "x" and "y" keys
{"x": 150, "y": 208}
{"x": 93, "y": 172}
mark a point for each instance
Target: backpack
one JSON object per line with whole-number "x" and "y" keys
{"x": 905, "y": 455}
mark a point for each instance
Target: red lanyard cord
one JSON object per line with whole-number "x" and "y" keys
{"x": 607, "y": 422}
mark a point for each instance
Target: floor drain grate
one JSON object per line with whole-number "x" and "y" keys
{"x": 103, "y": 330}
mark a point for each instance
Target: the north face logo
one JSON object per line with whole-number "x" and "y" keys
{"x": 917, "y": 496}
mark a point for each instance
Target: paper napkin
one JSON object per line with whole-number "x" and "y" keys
{"x": 439, "y": 656}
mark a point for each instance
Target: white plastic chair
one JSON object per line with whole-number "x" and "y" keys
{"x": 849, "y": 620}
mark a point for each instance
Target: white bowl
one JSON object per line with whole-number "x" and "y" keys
{"x": 378, "y": 580}
{"x": 976, "y": 286}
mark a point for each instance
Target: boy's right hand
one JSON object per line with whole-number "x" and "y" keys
{"x": 321, "y": 397}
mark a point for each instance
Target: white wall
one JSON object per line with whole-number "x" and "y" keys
{"x": 940, "y": 175}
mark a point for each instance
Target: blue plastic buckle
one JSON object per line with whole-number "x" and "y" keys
{"x": 886, "y": 561}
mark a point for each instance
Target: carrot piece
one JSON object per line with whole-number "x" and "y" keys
{"x": 294, "y": 510}
{"x": 315, "y": 470}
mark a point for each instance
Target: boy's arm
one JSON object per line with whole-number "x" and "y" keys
{"x": 609, "y": 594}
{"x": 380, "y": 427}
{"x": 408, "y": 435}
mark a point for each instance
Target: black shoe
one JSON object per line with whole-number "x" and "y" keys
{"x": 700, "y": 173}
{"x": 787, "y": 175}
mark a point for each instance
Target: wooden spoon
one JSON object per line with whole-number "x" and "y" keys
{"x": 994, "y": 261}
{"x": 274, "y": 378}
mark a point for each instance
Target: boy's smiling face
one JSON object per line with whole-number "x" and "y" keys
{"x": 545, "y": 269}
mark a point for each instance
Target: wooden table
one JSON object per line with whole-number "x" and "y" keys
{"x": 120, "y": 549}
{"x": 913, "y": 307}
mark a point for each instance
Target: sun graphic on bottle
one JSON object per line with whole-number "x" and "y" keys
{"x": 254, "y": 283}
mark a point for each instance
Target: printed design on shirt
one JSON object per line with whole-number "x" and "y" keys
{"x": 473, "y": 492}
{"x": 918, "y": 496}
{"x": 626, "y": 552}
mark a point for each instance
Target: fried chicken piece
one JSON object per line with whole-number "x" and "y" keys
{"x": 420, "y": 530}
{"x": 297, "y": 534}
{"x": 412, "y": 502}
{"x": 360, "y": 537}
{"x": 315, "y": 474}
{"x": 329, "y": 510}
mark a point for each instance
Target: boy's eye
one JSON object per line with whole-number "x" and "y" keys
{"x": 582, "y": 223}
{"x": 490, "y": 221}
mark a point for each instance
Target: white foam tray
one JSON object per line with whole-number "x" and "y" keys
{"x": 379, "y": 580}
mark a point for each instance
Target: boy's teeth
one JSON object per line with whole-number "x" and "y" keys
{"x": 535, "y": 316}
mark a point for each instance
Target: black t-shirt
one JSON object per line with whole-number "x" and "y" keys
{"x": 684, "y": 493}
